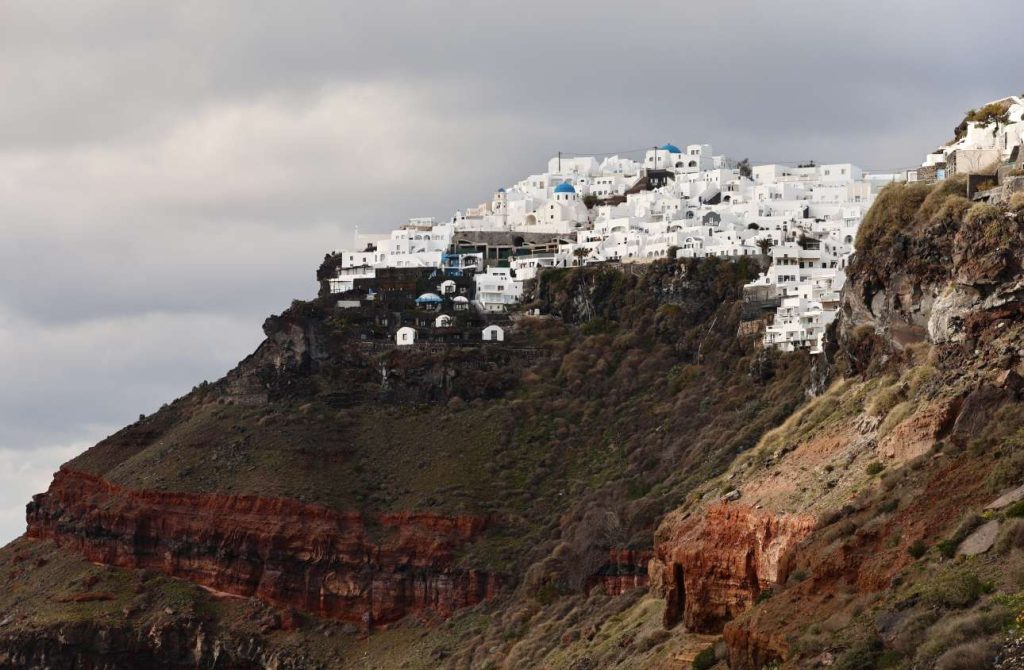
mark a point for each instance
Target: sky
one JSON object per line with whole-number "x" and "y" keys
{"x": 173, "y": 173}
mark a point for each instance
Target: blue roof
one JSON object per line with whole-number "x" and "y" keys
{"x": 565, "y": 187}
{"x": 671, "y": 148}
{"x": 501, "y": 190}
{"x": 429, "y": 297}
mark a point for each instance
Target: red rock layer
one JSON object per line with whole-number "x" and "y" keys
{"x": 332, "y": 564}
{"x": 712, "y": 566}
{"x": 625, "y": 570}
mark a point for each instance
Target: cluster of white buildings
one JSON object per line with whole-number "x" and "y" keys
{"x": 982, "y": 146}
{"x": 685, "y": 202}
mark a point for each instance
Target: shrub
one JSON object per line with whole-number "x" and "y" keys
{"x": 1017, "y": 202}
{"x": 764, "y": 595}
{"x": 888, "y": 506}
{"x": 1011, "y": 536}
{"x": 705, "y": 659}
{"x": 910, "y": 633}
{"x": 947, "y": 548}
{"x": 940, "y": 196}
{"x": 862, "y": 656}
{"x": 981, "y": 213}
{"x": 896, "y": 416}
{"x": 873, "y": 468}
{"x": 892, "y": 214}
{"x": 885, "y": 400}
{"x": 1006, "y": 472}
{"x": 951, "y": 631}
{"x": 917, "y": 548}
{"x": 955, "y": 590}
{"x": 1016, "y": 510}
{"x": 968, "y": 656}
{"x": 966, "y": 526}
{"x": 952, "y": 211}
{"x": 844, "y": 528}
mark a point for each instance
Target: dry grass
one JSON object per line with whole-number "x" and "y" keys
{"x": 1017, "y": 202}
{"x": 974, "y": 655}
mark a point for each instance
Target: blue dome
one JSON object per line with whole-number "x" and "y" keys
{"x": 671, "y": 148}
{"x": 429, "y": 298}
{"x": 501, "y": 190}
{"x": 565, "y": 187}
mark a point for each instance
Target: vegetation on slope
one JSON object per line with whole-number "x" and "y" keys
{"x": 899, "y": 574}
{"x": 641, "y": 390}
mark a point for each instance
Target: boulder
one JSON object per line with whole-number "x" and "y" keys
{"x": 980, "y": 540}
{"x": 1007, "y": 499}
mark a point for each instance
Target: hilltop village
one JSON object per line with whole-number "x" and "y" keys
{"x": 460, "y": 276}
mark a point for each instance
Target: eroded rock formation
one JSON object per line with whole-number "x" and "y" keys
{"x": 338, "y": 565}
{"x": 712, "y": 565}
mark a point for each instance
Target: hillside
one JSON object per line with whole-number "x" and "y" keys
{"x": 364, "y": 484}
{"x": 629, "y": 479}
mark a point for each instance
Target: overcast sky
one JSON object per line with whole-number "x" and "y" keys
{"x": 172, "y": 173}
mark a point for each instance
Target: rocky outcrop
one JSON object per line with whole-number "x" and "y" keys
{"x": 626, "y": 570}
{"x": 162, "y": 645}
{"x": 370, "y": 571}
{"x": 917, "y": 435}
{"x": 712, "y": 565}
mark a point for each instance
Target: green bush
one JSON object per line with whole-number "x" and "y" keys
{"x": 705, "y": 659}
{"x": 887, "y": 506}
{"x": 1016, "y": 510}
{"x": 966, "y": 526}
{"x": 873, "y": 468}
{"x": 955, "y": 590}
{"x": 764, "y": 595}
{"x": 862, "y": 656}
{"x": 917, "y": 548}
{"x": 947, "y": 548}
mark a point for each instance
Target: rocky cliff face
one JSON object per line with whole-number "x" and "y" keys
{"x": 713, "y": 565}
{"x": 626, "y": 570}
{"x": 370, "y": 571}
{"x": 921, "y": 383}
{"x": 161, "y": 646}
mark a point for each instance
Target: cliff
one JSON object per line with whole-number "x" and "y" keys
{"x": 875, "y": 492}
{"x": 285, "y": 553}
{"x": 715, "y": 564}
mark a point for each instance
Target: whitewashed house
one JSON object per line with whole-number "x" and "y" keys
{"x": 405, "y": 336}
{"x": 493, "y": 333}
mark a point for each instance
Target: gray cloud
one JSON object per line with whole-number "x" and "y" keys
{"x": 171, "y": 173}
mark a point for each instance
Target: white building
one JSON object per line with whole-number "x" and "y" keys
{"x": 984, "y": 143}
{"x": 497, "y": 289}
{"x": 493, "y": 333}
{"x": 405, "y": 336}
